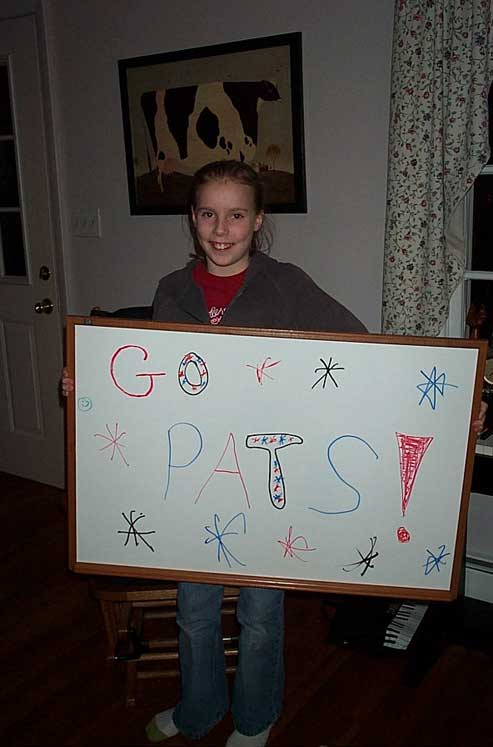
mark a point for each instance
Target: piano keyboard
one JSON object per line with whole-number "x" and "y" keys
{"x": 485, "y": 445}
{"x": 485, "y": 449}
{"x": 404, "y": 624}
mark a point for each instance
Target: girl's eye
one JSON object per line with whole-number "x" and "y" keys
{"x": 206, "y": 214}
{"x": 238, "y": 216}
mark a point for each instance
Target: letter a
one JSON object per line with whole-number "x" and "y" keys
{"x": 219, "y": 469}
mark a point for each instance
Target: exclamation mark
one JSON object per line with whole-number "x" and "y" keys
{"x": 411, "y": 452}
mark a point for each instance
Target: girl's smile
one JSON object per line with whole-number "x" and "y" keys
{"x": 219, "y": 246}
{"x": 225, "y": 221}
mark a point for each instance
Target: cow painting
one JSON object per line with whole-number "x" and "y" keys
{"x": 192, "y": 125}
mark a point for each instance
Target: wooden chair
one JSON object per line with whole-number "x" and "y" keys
{"x": 131, "y": 607}
{"x": 146, "y": 648}
{"x": 128, "y": 312}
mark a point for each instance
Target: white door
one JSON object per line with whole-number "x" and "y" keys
{"x": 31, "y": 418}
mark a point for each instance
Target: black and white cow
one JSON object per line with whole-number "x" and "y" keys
{"x": 191, "y": 125}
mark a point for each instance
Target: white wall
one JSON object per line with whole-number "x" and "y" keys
{"x": 479, "y": 548}
{"x": 346, "y": 70}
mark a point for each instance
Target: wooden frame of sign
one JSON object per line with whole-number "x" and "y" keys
{"x": 295, "y": 460}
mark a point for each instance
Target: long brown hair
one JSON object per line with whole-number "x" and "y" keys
{"x": 236, "y": 171}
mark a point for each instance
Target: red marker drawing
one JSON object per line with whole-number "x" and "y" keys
{"x": 403, "y": 535}
{"x": 411, "y": 452}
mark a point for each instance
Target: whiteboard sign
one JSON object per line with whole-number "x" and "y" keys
{"x": 297, "y": 460}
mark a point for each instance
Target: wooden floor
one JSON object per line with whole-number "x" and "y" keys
{"x": 58, "y": 689}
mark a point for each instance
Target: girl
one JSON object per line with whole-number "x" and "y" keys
{"x": 231, "y": 281}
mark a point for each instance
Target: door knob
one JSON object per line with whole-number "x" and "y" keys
{"x": 44, "y": 307}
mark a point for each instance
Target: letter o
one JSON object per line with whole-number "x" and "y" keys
{"x": 193, "y": 381}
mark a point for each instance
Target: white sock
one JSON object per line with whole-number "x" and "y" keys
{"x": 241, "y": 740}
{"x": 164, "y": 722}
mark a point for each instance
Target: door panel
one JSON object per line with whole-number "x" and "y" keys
{"x": 23, "y": 391}
{"x": 31, "y": 418}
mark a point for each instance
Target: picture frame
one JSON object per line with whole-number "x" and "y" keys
{"x": 240, "y": 100}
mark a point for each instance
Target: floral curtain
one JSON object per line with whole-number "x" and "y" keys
{"x": 442, "y": 68}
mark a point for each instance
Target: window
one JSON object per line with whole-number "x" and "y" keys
{"x": 12, "y": 255}
{"x": 471, "y": 307}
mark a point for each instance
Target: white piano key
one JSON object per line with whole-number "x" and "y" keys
{"x": 401, "y": 629}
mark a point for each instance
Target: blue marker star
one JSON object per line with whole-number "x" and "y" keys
{"x": 216, "y": 535}
{"x": 433, "y": 562}
{"x": 434, "y": 384}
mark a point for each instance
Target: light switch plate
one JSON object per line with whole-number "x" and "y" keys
{"x": 86, "y": 223}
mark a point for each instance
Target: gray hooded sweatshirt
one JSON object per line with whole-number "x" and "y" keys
{"x": 274, "y": 295}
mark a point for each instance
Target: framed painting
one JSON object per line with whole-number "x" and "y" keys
{"x": 242, "y": 100}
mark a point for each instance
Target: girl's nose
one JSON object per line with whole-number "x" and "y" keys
{"x": 221, "y": 227}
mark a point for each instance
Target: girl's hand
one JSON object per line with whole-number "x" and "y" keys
{"x": 478, "y": 425}
{"x": 67, "y": 383}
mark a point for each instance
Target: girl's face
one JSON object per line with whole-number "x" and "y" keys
{"x": 225, "y": 220}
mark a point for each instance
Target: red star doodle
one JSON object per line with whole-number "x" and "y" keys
{"x": 113, "y": 441}
{"x": 293, "y": 545}
{"x": 260, "y": 369}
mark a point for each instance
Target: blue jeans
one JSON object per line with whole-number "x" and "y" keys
{"x": 259, "y": 680}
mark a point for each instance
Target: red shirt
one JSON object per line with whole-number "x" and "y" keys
{"x": 218, "y": 291}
